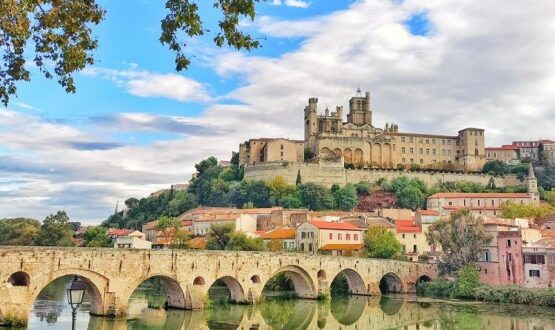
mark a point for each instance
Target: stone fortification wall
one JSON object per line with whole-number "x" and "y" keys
{"x": 329, "y": 173}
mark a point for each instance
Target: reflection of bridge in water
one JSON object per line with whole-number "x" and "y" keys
{"x": 112, "y": 275}
{"x": 353, "y": 312}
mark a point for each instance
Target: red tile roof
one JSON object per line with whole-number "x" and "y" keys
{"x": 480, "y": 195}
{"x": 428, "y": 212}
{"x": 119, "y": 232}
{"x": 503, "y": 147}
{"x": 280, "y": 233}
{"x": 198, "y": 243}
{"x": 342, "y": 247}
{"x": 407, "y": 226}
{"x": 334, "y": 225}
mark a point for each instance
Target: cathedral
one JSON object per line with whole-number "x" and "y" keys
{"x": 360, "y": 144}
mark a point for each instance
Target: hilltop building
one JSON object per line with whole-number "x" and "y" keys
{"x": 360, "y": 143}
{"x": 489, "y": 204}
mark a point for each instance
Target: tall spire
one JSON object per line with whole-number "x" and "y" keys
{"x": 531, "y": 174}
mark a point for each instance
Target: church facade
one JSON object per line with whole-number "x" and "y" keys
{"x": 364, "y": 145}
{"x": 360, "y": 144}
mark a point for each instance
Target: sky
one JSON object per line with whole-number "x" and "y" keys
{"x": 135, "y": 125}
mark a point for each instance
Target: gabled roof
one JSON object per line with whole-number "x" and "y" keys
{"x": 428, "y": 212}
{"x": 407, "y": 226}
{"x": 334, "y": 225}
{"x": 119, "y": 232}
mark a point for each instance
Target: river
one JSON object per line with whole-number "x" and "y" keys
{"x": 51, "y": 311}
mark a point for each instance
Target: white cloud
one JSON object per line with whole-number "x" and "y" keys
{"x": 485, "y": 64}
{"x": 144, "y": 83}
{"x": 24, "y": 105}
{"x": 291, "y": 3}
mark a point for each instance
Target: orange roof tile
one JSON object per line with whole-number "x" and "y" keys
{"x": 334, "y": 225}
{"x": 428, "y": 212}
{"x": 198, "y": 243}
{"x": 480, "y": 195}
{"x": 119, "y": 232}
{"x": 342, "y": 247}
{"x": 280, "y": 233}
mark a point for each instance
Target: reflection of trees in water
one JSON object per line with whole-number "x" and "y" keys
{"x": 280, "y": 284}
{"x": 52, "y": 300}
{"x": 227, "y": 316}
{"x": 154, "y": 290}
{"x": 391, "y": 306}
{"x": 288, "y": 313}
{"x": 348, "y": 309}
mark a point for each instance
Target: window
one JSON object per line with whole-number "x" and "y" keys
{"x": 402, "y": 139}
{"x": 443, "y": 142}
{"x": 427, "y": 141}
{"x": 534, "y": 273}
{"x": 412, "y": 160}
{"x": 356, "y": 237}
{"x": 433, "y": 141}
{"x": 403, "y": 235}
{"x": 282, "y": 147}
{"x": 310, "y": 247}
{"x": 421, "y": 161}
{"x": 449, "y": 152}
{"x": 427, "y": 151}
{"x": 508, "y": 241}
{"x": 433, "y": 152}
{"x": 303, "y": 234}
{"x": 411, "y": 140}
{"x": 509, "y": 257}
{"x": 411, "y": 150}
{"x": 348, "y": 237}
{"x": 339, "y": 236}
{"x": 403, "y": 150}
{"x": 443, "y": 152}
{"x": 414, "y": 249}
{"x": 282, "y": 154}
{"x": 485, "y": 256}
{"x": 414, "y": 235}
{"x": 534, "y": 259}
{"x": 331, "y": 236}
{"x": 421, "y": 151}
{"x": 403, "y": 160}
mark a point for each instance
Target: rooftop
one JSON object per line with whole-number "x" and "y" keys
{"x": 334, "y": 225}
{"x": 280, "y": 233}
{"x": 480, "y": 195}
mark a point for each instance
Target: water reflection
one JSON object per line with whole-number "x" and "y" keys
{"x": 346, "y": 312}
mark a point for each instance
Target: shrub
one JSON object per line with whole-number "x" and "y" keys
{"x": 468, "y": 280}
{"x": 437, "y": 289}
{"x": 11, "y": 321}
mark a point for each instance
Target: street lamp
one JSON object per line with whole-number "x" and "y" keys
{"x": 75, "y": 294}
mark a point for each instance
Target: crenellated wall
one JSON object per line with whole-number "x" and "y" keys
{"x": 111, "y": 275}
{"x": 329, "y": 173}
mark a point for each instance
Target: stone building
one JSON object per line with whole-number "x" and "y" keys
{"x": 336, "y": 238}
{"x": 359, "y": 142}
{"x": 267, "y": 150}
{"x": 508, "y": 153}
{"x": 489, "y": 204}
{"x": 547, "y": 152}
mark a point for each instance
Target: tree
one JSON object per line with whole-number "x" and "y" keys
{"x": 63, "y": 41}
{"x": 346, "y": 198}
{"x": 496, "y": 168}
{"x": 308, "y": 154}
{"x": 182, "y": 201}
{"x": 275, "y": 245}
{"x": 180, "y": 240}
{"x": 75, "y": 225}
{"x": 550, "y": 197}
{"x": 279, "y": 190}
{"x": 411, "y": 198}
{"x": 516, "y": 210}
{"x": 18, "y": 231}
{"x": 315, "y": 197}
{"x": 468, "y": 279}
{"x": 462, "y": 238}
{"x": 97, "y": 237}
{"x": 299, "y": 180}
{"x": 256, "y": 192}
{"x": 241, "y": 242}
{"x": 55, "y": 231}
{"x": 218, "y": 236}
{"x": 168, "y": 225}
{"x": 381, "y": 243}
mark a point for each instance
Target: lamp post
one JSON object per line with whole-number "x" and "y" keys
{"x": 75, "y": 294}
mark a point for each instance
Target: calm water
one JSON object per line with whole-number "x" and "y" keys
{"x": 51, "y": 311}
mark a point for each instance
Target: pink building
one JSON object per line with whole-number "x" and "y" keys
{"x": 502, "y": 262}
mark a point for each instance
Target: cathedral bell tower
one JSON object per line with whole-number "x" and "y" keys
{"x": 311, "y": 122}
{"x": 532, "y": 187}
{"x": 359, "y": 109}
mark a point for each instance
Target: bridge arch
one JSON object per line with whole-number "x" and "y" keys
{"x": 391, "y": 283}
{"x": 303, "y": 283}
{"x": 355, "y": 283}
{"x": 95, "y": 283}
{"x": 235, "y": 289}
{"x": 350, "y": 311}
{"x": 175, "y": 295}
{"x": 19, "y": 279}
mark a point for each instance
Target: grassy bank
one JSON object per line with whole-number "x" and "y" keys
{"x": 497, "y": 294}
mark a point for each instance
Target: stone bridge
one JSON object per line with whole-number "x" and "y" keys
{"x": 112, "y": 275}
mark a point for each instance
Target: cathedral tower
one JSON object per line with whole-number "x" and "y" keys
{"x": 311, "y": 122}
{"x": 359, "y": 110}
{"x": 532, "y": 187}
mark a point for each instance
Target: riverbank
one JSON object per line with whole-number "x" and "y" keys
{"x": 492, "y": 294}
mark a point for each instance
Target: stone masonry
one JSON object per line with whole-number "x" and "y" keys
{"x": 112, "y": 275}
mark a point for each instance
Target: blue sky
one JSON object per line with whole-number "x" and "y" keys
{"x": 135, "y": 125}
